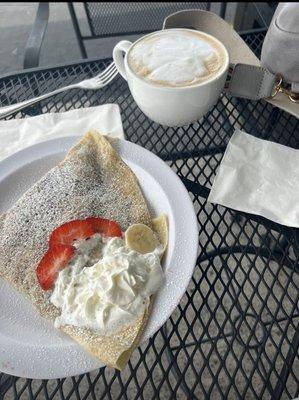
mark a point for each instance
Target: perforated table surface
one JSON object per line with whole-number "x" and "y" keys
{"x": 235, "y": 333}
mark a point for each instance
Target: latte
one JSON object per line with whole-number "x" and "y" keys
{"x": 177, "y": 58}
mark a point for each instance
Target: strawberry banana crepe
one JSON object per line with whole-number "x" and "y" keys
{"x": 82, "y": 247}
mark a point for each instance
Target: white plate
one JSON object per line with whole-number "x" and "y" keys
{"x": 29, "y": 345}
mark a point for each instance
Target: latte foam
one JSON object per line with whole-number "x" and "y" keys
{"x": 176, "y": 58}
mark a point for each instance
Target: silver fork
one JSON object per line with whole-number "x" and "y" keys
{"x": 98, "y": 82}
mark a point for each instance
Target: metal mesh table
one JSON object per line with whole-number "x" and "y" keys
{"x": 235, "y": 333}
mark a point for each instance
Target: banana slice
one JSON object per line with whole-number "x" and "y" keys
{"x": 141, "y": 238}
{"x": 160, "y": 225}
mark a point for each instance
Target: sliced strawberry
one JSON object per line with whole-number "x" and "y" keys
{"x": 55, "y": 259}
{"x": 70, "y": 231}
{"x": 105, "y": 227}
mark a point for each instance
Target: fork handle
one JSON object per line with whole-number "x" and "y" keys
{"x": 7, "y": 110}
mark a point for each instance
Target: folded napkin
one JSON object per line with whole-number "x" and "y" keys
{"x": 17, "y": 134}
{"x": 259, "y": 177}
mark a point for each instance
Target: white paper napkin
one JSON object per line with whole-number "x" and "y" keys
{"x": 17, "y": 134}
{"x": 259, "y": 177}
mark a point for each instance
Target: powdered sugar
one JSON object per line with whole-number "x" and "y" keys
{"x": 89, "y": 182}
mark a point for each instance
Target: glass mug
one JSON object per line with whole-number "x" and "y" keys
{"x": 168, "y": 105}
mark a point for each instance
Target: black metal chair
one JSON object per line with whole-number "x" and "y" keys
{"x": 107, "y": 19}
{"x": 124, "y": 18}
{"x": 113, "y": 19}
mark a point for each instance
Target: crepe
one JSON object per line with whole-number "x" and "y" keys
{"x": 92, "y": 180}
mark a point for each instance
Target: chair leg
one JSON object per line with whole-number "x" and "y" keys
{"x": 35, "y": 40}
{"x": 223, "y": 10}
{"x": 77, "y": 30}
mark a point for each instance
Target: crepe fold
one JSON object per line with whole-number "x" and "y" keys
{"x": 92, "y": 180}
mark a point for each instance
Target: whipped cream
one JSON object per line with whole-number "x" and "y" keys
{"x": 176, "y": 58}
{"x": 106, "y": 285}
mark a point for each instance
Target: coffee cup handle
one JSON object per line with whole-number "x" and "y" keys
{"x": 119, "y": 49}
